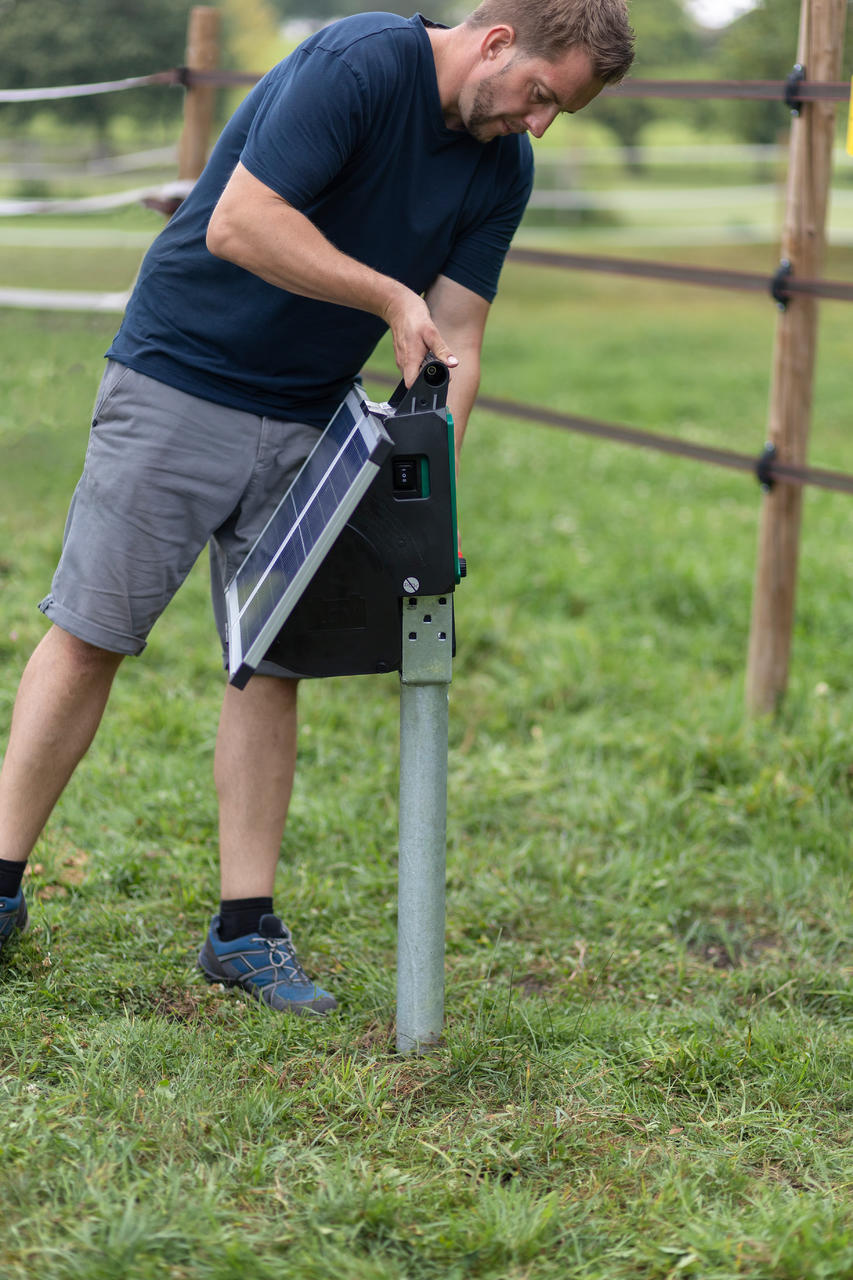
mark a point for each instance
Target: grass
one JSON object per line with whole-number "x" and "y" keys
{"x": 647, "y": 1067}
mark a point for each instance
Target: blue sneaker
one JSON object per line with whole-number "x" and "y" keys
{"x": 13, "y": 915}
{"x": 265, "y": 965}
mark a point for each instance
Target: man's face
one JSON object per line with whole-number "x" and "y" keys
{"x": 527, "y": 94}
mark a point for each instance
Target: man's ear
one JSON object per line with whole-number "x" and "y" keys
{"x": 497, "y": 41}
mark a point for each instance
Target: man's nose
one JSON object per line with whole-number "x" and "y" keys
{"x": 537, "y": 121}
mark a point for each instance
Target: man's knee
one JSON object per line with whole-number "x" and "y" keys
{"x": 85, "y": 658}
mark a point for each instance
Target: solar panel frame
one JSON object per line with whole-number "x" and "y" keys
{"x": 300, "y": 532}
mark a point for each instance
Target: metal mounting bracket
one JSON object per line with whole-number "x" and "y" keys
{"x": 792, "y": 97}
{"x": 764, "y": 467}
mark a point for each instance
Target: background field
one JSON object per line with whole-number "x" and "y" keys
{"x": 647, "y": 1064}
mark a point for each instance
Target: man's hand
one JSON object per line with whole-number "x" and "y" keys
{"x": 414, "y": 333}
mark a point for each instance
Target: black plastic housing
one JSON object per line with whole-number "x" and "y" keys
{"x": 399, "y": 542}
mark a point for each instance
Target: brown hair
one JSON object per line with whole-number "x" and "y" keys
{"x": 547, "y": 28}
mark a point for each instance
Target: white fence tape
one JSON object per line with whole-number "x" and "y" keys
{"x": 154, "y": 158}
{"x": 96, "y": 204}
{"x": 78, "y": 90}
{"x": 64, "y": 300}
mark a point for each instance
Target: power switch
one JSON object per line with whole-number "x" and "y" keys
{"x": 406, "y": 475}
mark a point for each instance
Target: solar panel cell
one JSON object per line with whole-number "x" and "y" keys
{"x": 300, "y": 531}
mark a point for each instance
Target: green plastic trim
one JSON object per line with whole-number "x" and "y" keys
{"x": 425, "y": 482}
{"x": 451, "y": 446}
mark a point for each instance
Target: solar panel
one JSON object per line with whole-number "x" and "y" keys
{"x": 267, "y": 586}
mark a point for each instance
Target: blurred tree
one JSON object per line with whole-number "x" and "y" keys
{"x": 59, "y": 42}
{"x": 762, "y": 45}
{"x": 670, "y": 46}
{"x": 251, "y": 35}
{"x": 668, "y": 38}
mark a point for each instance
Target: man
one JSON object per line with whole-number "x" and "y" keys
{"x": 372, "y": 180}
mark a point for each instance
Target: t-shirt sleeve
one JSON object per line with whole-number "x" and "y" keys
{"x": 478, "y": 255}
{"x": 310, "y": 122}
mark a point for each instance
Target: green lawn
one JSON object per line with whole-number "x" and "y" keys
{"x": 647, "y": 1067}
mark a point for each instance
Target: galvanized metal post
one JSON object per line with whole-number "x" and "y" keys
{"x": 424, "y": 681}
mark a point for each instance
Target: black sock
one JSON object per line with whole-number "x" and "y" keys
{"x": 11, "y": 874}
{"x": 238, "y": 916}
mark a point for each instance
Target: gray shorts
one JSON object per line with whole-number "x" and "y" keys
{"x": 165, "y": 473}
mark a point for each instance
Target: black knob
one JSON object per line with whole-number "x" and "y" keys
{"x": 435, "y": 374}
{"x": 463, "y": 567}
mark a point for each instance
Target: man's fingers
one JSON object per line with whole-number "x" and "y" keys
{"x": 413, "y": 364}
{"x": 433, "y": 345}
{"x": 442, "y": 351}
{"x": 410, "y": 365}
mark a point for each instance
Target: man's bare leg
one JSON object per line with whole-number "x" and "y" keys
{"x": 253, "y": 769}
{"x": 60, "y": 702}
{"x": 254, "y": 765}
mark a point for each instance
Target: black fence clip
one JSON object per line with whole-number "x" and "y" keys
{"x": 182, "y": 75}
{"x": 778, "y": 284}
{"x": 792, "y": 86}
{"x": 764, "y": 467}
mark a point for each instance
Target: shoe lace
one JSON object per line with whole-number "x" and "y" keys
{"x": 284, "y": 958}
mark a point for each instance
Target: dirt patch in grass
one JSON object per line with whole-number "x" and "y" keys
{"x": 55, "y": 877}
{"x": 179, "y": 1004}
{"x": 734, "y": 951}
{"x": 534, "y": 984}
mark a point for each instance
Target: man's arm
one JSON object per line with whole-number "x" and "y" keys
{"x": 461, "y": 316}
{"x": 256, "y": 229}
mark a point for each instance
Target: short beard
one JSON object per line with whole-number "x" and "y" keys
{"x": 481, "y": 115}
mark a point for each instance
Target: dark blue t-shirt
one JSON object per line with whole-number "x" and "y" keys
{"x": 349, "y": 130}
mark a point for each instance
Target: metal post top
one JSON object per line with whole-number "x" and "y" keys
{"x": 427, "y": 640}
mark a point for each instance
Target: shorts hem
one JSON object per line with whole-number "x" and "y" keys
{"x": 90, "y": 632}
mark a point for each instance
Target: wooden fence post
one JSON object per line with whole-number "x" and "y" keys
{"x": 803, "y": 243}
{"x": 202, "y": 55}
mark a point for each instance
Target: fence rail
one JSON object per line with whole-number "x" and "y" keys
{"x": 782, "y": 285}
